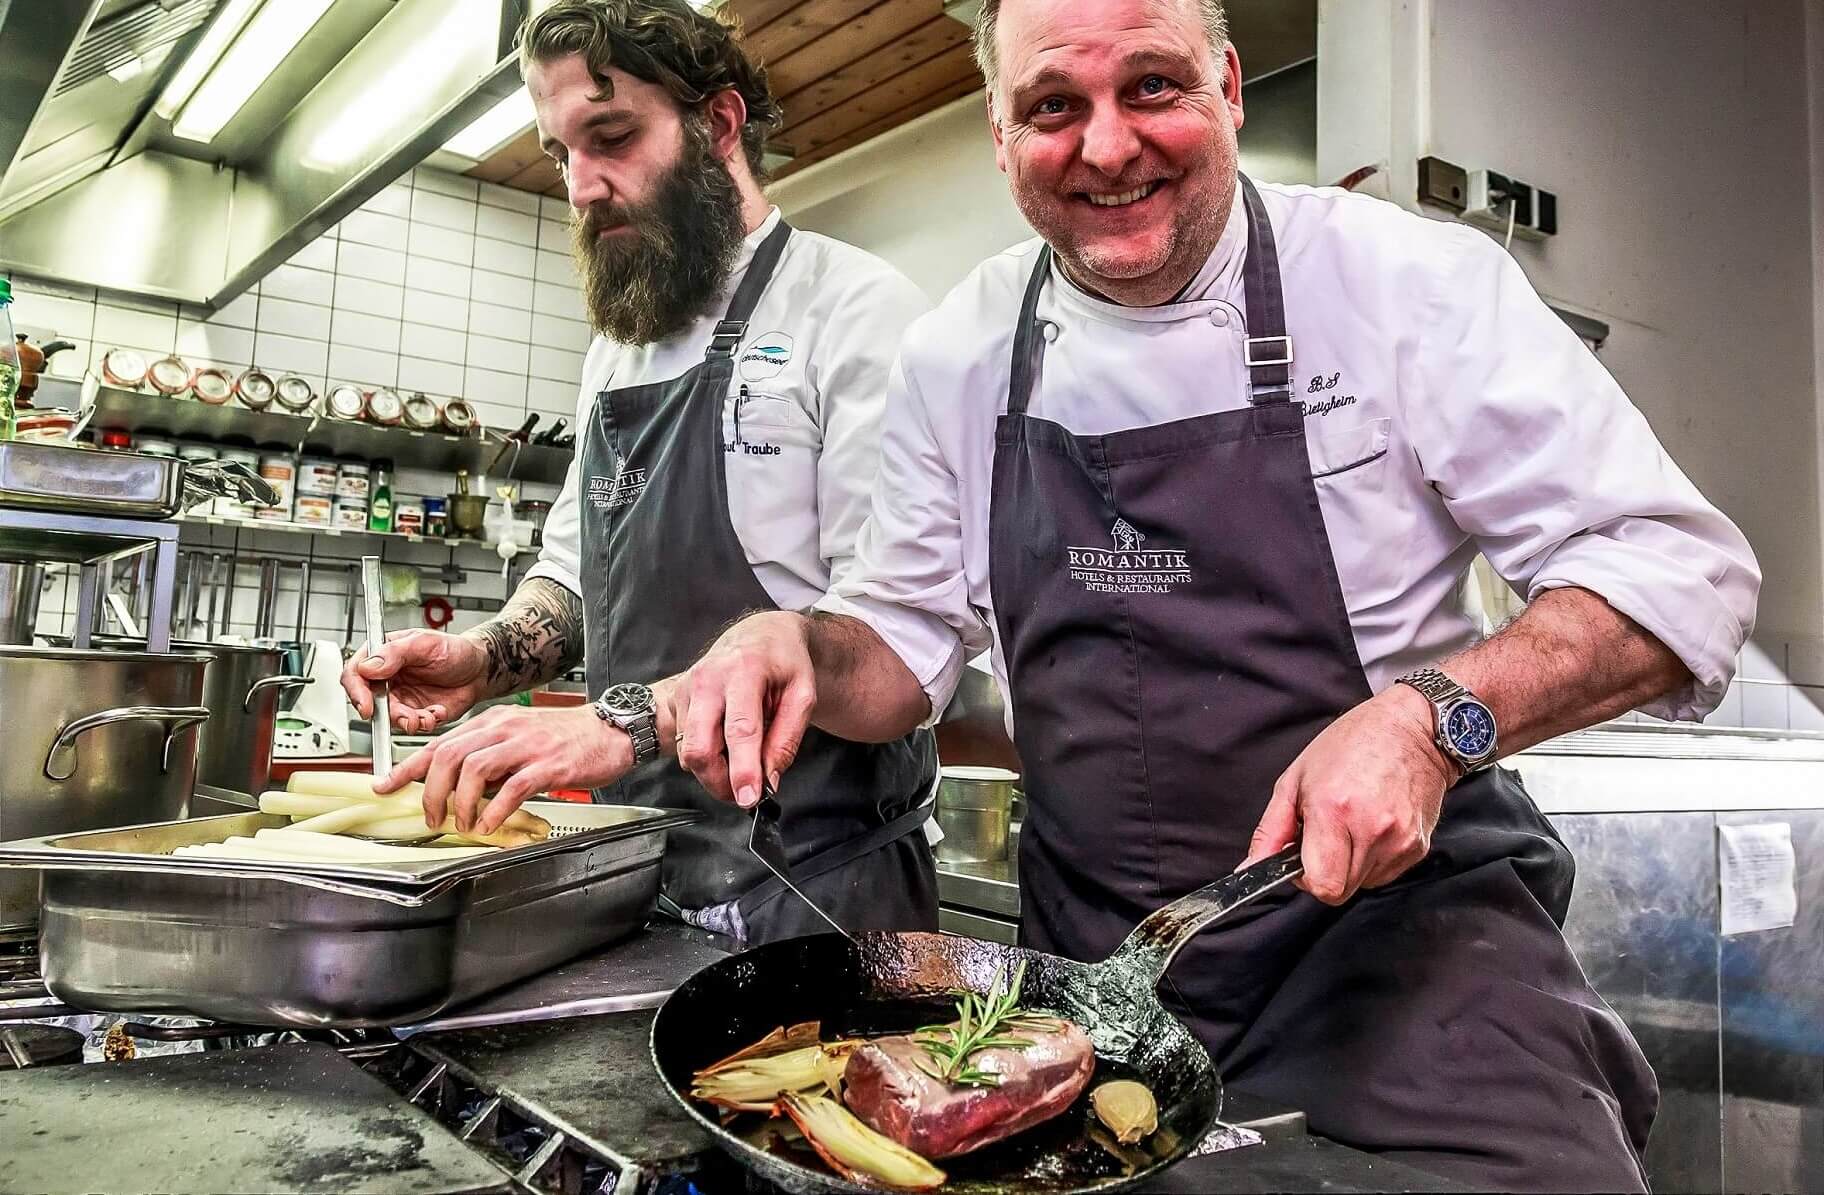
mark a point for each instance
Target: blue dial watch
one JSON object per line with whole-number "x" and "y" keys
{"x": 1463, "y": 726}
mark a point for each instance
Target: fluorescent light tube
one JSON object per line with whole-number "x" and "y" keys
{"x": 495, "y": 127}
{"x": 272, "y": 34}
{"x": 208, "y": 51}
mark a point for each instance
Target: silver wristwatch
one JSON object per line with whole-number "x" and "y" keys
{"x": 633, "y": 708}
{"x": 1463, "y": 726}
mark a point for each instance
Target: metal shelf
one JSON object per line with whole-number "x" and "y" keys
{"x": 290, "y": 528}
{"x": 133, "y": 411}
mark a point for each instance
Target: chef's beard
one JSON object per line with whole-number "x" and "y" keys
{"x": 643, "y": 287}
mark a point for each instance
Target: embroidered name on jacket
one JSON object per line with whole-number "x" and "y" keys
{"x": 612, "y": 493}
{"x": 1128, "y": 566}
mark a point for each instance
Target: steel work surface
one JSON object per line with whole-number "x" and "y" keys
{"x": 592, "y": 1077}
{"x": 283, "y": 1118}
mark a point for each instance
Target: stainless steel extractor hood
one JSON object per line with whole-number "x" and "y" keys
{"x": 96, "y": 189}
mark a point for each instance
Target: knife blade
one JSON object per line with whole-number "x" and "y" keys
{"x": 382, "y": 722}
{"x": 768, "y": 845}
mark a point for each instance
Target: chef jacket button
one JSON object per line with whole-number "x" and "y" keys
{"x": 1220, "y": 317}
{"x": 1050, "y": 332}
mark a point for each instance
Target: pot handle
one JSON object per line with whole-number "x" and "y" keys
{"x": 273, "y": 682}
{"x": 1158, "y": 939}
{"x": 174, "y": 719}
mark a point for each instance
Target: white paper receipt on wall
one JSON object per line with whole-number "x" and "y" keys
{"x": 1755, "y": 870}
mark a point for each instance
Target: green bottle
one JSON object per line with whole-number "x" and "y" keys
{"x": 9, "y": 363}
{"x": 380, "y": 498}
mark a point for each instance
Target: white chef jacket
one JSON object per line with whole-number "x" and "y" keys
{"x": 814, "y": 365}
{"x": 1448, "y": 411}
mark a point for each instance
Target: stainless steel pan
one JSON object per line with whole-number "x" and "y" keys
{"x": 894, "y": 982}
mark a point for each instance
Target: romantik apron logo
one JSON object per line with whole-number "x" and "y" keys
{"x": 623, "y": 489}
{"x": 1129, "y": 567}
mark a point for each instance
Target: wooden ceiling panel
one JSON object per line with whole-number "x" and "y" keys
{"x": 945, "y": 72}
{"x": 755, "y": 15}
{"x": 510, "y": 159}
{"x": 919, "y": 46}
{"x": 880, "y": 26}
{"x": 887, "y": 123}
{"x": 803, "y": 24}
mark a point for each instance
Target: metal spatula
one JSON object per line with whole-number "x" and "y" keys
{"x": 765, "y": 841}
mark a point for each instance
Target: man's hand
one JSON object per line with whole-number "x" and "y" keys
{"x": 517, "y": 752}
{"x": 741, "y": 713}
{"x": 1367, "y": 792}
{"x": 434, "y": 678}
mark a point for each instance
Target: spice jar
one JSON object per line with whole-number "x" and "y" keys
{"x": 408, "y": 514}
{"x": 436, "y": 519}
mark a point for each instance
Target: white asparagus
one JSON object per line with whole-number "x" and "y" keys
{"x": 342, "y": 812}
{"x": 351, "y": 785}
{"x": 334, "y": 846}
{"x": 302, "y": 805}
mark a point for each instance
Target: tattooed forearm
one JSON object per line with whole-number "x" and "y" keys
{"x": 536, "y": 637}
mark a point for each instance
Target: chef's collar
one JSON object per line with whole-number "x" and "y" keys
{"x": 751, "y": 242}
{"x": 1219, "y": 281}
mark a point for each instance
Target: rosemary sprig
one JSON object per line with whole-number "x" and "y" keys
{"x": 982, "y": 1023}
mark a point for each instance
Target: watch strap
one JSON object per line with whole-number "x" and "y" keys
{"x": 1433, "y": 684}
{"x": 642, "y": 728}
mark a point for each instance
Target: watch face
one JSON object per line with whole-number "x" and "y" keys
{"x": 629, "y": 699}
{"x": 1470, "y": 729}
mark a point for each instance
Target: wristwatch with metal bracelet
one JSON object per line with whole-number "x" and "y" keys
{"x": 1463, "y": 726}
{"x": 634, "y": 709}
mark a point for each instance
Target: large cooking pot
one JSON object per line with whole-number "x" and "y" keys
{"x": 93, "y": 739}
{"x": 242, "y": 691}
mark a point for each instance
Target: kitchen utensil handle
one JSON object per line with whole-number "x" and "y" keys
{"x": 273, "y": 682}
{"x": 1157, "y": 940}
{"x": 174, "y": 719}
{"x": 381, "y": 725}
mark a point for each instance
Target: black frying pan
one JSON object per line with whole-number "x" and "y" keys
{"x": 894, "y": 982}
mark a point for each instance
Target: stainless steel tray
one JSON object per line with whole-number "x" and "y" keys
{"x": 81, "y": 481}
{"x": 125, "y": 926}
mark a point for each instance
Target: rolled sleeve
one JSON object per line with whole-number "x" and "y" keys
{"x": 1541, "y": 458}
{"x": 907, "y": 580}
{"x": 560, "y": 559}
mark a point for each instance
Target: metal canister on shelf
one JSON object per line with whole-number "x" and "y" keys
{"x": 156, "y": 446}
{"x": 170, "y": 376}
{"x": 294, "y": 394}
{"x": 458, "y": 417}
{"x": 408, "y": 514}
{"x": 280, "y": 469}
{"x": 317, "y": 474}
{"x": 345, "y": 402}
{"x": 352, "y": 479}
{"x": 193, "y": 453}
{"x": 421, "y": 413}
{"x": 436, "y": 518}
{"x": 124, "y": 368}
{"x": 212, "y": 385}
{"x": 385, "y": 407}
{"x": 235, "y": 508}
{"x": 314, "y": 510}
{"x": 255, "y": 389}
{"x": 351, "y": 514}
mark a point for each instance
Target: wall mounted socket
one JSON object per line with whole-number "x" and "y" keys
{"x": 1489, "y": 199}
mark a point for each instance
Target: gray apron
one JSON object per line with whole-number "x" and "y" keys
{"x": 1174, "y": 635}
{"x": 663, "y": 573}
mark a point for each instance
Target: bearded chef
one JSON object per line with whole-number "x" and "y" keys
{"x": 1206, "y": 467}
{"x": 728, "y": 429}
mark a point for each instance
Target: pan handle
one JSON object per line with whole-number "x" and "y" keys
{"x": 174, "y": 719}
{"x": 273, "y": 682}
{"x": 1157, "y": 940}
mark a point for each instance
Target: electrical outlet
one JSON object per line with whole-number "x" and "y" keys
{"x": 1483, "y": 198}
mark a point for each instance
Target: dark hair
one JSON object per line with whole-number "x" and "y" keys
{"x": 691, "y": 54}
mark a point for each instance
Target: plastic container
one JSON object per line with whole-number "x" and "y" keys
{"x": 196, "y": 454}
{"x": 156, "y": 446}
{"x": 234, "y": 508}
{"x": 317, "y": 475}
{"x": 280, "y": 469}
{"x": 408, "y": 515}
{"x": 436, "y": 518}
{"x": 314, "y": 510}
{"x": 352, "y": 479}
{"x": 351, "y": 514}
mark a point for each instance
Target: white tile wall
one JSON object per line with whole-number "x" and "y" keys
{"x": 436, "y": 284}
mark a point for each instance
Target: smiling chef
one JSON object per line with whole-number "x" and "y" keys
{"x": 1206, "y": 466}
{"x": 728, "y": 424}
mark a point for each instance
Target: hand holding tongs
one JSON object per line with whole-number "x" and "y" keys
{"x": 382, "y": 722}
{"x": 765, "y": 841}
